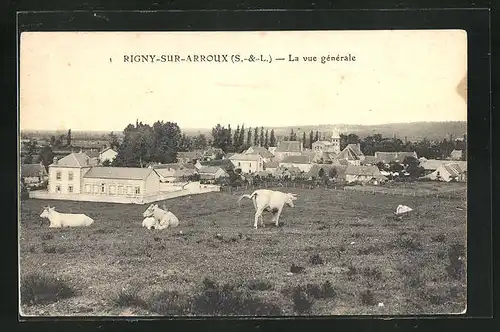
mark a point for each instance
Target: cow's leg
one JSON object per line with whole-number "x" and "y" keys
{"x": 278, "y": 217}
{"x": 262, "y": 221}
{"x": 258, "y": 215}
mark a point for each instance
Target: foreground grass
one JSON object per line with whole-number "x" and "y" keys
{"x": 337, "y": 253}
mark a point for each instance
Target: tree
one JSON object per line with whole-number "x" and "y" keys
{"x": 236, "y": 139}
{"x": 228, "y": 139}
{"x": 272, "y": 139}
{"x": 221, "y": 137}
{"x": 200, "y": 142}
{"x": 317, "y": 136}
{"x": 106, "y": 163}
{"x": 28, "y": 159}
{"x": 241, "y": 140}
{"x": 266, "y": 139}
{"x": 304, "y": 139}
{"x": 311, "y": 137}
{"x": 261, "y": 139}
{"x": 256, "y": 136}
{"x": 46, "y": 156}
{"x": 185, "y": 143}
{"x": 249, "y": 137}
{"x": 321, "y": 173}
{"x": 68, "y": 138}
{"x": 332, "y": 173}
{"x": 113, "y": 141}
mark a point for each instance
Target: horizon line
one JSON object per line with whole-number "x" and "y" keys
{"x": 225, "y": 125}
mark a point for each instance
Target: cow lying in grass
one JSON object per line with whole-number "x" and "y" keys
{"x": 269, "y": 200}
{"x": 164, "y": 218}
{"x": 58, "y": 220}
{"x": 150, "y": 222}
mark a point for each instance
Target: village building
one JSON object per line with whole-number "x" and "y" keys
{"x": 272, "y": 149}
{"x": 34, "y": 174}
{"x": 451, "y": 171}
{"x": 271, "y": 166}
{"x": 288, "y": 148}
{"x": 121, "y": 181}
{"x": 248, "y": 163}
{"x": 211, "y": 173}
{"x": 65, "y": 174}
{"x": 302, "y": 162}
{"x": 369, "y": 160}
{"x": 456, "y": 155}
{"x": 399, "y": 157}
{"x": 173, "y": 172}
{"x": 351, "y": 154}
{"x": 213, "y": 154}
{"x": 320, "y": 171}
{"x": 262, "y": 151}
{"x": 363, "y": 174}
{"x": 189, "y": 157}
{"x": 331, "y": 146}
{"x": 107, "y": 154}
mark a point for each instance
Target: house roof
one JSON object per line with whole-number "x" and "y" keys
{"x": 213, "y": 151}
{"x": 107, "y": 149}
{"x": 387, "y": 157}
{"x": 271, "y": 164}
{"x": 220, "y": 163}
{"x": 453, "y": 169}
{"x": 363, "y": 170}
{"x": 356, "y": 148}
{"x": 322, "y": 143}
{"x": 289, "y": 146}
{"x": 122, "y": 173}
{"x": 166, "y": 166}
{"x": 262, "y": 151}
{"x": 166, "y": 172}
{"x": 296, "y": 160}
{"x": 209, "y": 169}
{"x": 75, "y": 159}
{"x": 315, "y": 169}
{"x": 347, "y": 154}
{"x": 370, "y": 160}
{"x": 246, "y": 157}
{"x": 32, "y": 170}
{"x": 433, "y": 164}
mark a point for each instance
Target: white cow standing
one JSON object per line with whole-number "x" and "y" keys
{"x": 269, "y": 200}
{"x": 58, "y": 220}
{"x": 164, "y": 218}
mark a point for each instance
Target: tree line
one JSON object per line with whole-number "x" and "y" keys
{"x": 162, "y": 141}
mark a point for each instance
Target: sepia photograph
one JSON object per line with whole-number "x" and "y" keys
{"x": 242, "y": 173}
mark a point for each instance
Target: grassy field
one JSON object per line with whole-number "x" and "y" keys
{"x": 337, "y": 253}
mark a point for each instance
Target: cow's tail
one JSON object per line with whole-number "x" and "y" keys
{"x": 251, "y": 196}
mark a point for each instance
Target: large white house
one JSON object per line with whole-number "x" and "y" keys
{"x": 248, "y": 163}
{"x": 107, "y": 154}
{"x": 65, "y": 174}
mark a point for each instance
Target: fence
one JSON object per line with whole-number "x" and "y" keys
{"x": 374, "y": 190}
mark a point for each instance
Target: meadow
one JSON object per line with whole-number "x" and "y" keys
{"x": 336, "y": 253}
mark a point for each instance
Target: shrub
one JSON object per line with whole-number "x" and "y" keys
{"x": 456, "y": 266}
{"x": 367, "y": 297}
{"x": 169, "y": 303}
{"x": 316, "y": 260}
{"x": 301, "y": 302}
{"x": 129, "y": 298}
{"x": 41, "y": 289}
{"x": 259, "y": 285}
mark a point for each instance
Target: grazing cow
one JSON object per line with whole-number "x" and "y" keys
{"x": 164, "y": 218}
{"x": 269, "y": 200}
{"x": 58, "y": 220}
{"x": 150, "y": 222}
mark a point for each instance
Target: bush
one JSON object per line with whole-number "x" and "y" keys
{"x": 301, "y": 302}
{"x": 41, "y": 289}
{"x": 259, "y": 285}
{"x": 129, "y": 298}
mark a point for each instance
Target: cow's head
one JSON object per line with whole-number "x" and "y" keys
{"x": 149, "y": 211}
{"x": 45, "y": 212}
{"x": 289, "y": 198}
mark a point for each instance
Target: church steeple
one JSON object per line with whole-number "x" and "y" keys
{"x": 335, "y": 139}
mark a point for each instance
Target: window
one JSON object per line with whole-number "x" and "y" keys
{"x": 103, "y": 188}
{"x": 239, "y": 164}
{"x": 70, "y": 188}
{"x": 70, "y": 176}
{"x": 87, "y": 188}
{"x": 58, "y": 175}
{"x": 137, "y": 190}
{"x": 120, "y": 190}
{"x": 112, "y": 190}
{"x": 129, "y": 190}
{"x": 58, "y": 189}
{"x": 96, "y": 188}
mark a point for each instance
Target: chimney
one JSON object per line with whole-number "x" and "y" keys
{"x": 54, "y": 161}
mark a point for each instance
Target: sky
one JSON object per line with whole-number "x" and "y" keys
{"x": 79, "y": 80}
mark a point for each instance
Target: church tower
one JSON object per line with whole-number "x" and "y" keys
{"x": 335, "y": 141}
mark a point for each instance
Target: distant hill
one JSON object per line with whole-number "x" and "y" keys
{"x": 413, "y": 131}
